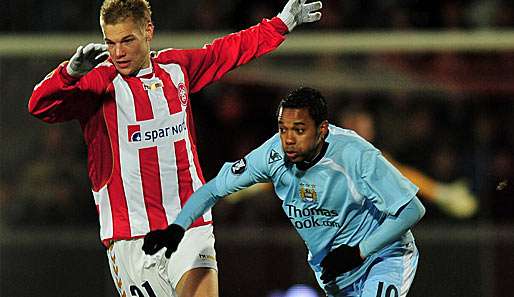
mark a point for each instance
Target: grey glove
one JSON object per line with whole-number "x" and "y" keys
{"x": 297, "y": 12}
{"x": 86, "y": 58}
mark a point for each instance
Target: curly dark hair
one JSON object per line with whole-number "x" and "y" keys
{"x": 309, "y": 98}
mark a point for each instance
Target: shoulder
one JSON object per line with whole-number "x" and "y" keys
{"x": 345, "y": 139}
{"x": 347, "y": 148}
{"x": 268, "y": 156}
{"x": 106, "y": 70}
{"x": 170, "y": 55}
{"x": 271, "y": 149}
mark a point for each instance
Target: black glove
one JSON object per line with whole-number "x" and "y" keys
{"x": 341, "y": 260}
{"x": 168, "y": 238}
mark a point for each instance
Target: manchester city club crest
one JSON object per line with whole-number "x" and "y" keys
{"x": 308, "y": 193}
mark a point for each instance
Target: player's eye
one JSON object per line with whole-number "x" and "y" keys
{"x": 300, "y": 130}
{"x": 281, "y": 130}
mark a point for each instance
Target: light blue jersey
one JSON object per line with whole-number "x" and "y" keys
{"x": 341, "y": 199}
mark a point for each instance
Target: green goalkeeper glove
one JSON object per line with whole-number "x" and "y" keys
{"x": 169, "y": 238}
{"x": 456, "y": 200}
{"x": 86, "y": 58}
{"x": 297, "y": 12}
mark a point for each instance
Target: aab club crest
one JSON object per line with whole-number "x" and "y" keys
{"x": 308, "y": 193}
{"x": 182, "y": 94}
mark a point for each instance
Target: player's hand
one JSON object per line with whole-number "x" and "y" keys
{"x": 456, "y": 200}
{"x": 169, "y": 238}
{"x": 343, "y": 259}
{"x": 297, "y": 12}
{"x": 86, "y": 58}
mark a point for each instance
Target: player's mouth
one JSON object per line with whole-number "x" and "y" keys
{"x": 291, "y": 154}
{"x": 123, "y": 64}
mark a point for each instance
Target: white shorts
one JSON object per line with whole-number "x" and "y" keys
{"x": 137, "y": 274}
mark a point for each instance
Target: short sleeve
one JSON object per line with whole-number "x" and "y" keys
{"x": 251, "y": 169}
{"x": 384, "y": 185}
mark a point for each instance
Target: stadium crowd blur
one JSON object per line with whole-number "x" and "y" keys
{"x": 464, "y": 132}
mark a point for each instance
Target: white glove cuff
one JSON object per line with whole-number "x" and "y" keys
{"x": 288, "y": 19}
{"x": 72, "y": 72}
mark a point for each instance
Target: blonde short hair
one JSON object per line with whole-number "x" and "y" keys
{"x": 115, "y": 11}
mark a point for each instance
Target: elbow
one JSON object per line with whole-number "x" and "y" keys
{"x": 32, "y": 107}
{"x": 421, "y": 209}
{"x": 43, "y": 113}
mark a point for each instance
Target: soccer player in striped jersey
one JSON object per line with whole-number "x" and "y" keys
{"x": 134, "y": 110}
{"x": 351, "y": 207}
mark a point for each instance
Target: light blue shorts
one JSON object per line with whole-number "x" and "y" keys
{"x": 389, "y": 275}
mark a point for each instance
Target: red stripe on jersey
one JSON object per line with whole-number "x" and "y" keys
{"x": 117, "y": 198}
{"x": 142, "y": 103}
{"x": 185, "y": 182}
{"x": 192, "y": 140}
{"x": 152, "y": 190}
{"x": 119, "y": 209}
{"x": 170, "y": 91}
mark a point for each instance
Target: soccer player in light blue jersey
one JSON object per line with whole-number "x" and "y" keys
{"x": 352, "y": 208}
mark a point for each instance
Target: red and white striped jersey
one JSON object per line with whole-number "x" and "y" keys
{"x": 142, "y": 156}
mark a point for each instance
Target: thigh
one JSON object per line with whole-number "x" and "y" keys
{"x": 198, "y": 282}
{"x": 392, "y": 276}
{"x": 193, "y": 267}
{"x": 137, "y": 274}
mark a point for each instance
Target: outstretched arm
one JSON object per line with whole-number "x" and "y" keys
{"x": 201, "y": 200}
{"x": 231, "y": 178}
{"x": 214, "y": 60}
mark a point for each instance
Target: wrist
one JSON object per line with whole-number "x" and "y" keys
{"x": 66, "y": 76}
{"x": 288, "y": 19}
{"x": 176, "y": 229}
{"x": 71, "y": 72}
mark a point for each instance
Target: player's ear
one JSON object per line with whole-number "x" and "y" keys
{"x": 323, "y": 129}
{"x": 149, "y": 31}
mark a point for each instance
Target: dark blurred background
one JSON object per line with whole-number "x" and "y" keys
{"x": 444, "y": 108}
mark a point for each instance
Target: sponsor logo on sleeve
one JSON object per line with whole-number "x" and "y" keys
{"x": 239, "y": 167}
{"x": 274, "y": 156}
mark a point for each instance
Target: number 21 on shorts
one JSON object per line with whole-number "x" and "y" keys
{"x": 135, "y": 291}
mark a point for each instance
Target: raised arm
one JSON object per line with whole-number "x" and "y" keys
{"x": 214, "y": 60}
{"x": 69, "y": 91}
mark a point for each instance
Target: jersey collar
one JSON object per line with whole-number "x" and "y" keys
{"x": 306, "y": 165}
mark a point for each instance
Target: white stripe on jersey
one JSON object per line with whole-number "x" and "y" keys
{"x": 351, "y": 185}
{"x": 177, "y": 77}
{"x": 104, "y": 212}
{"x": 129, "y": 160}
{"x": 169, "y": 181}
{"x": 157, "y": 99}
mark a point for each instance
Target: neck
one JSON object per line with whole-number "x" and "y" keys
{"x": 316, "y": 155}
